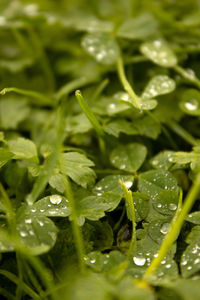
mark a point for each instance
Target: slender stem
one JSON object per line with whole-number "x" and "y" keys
{"x": 76, "y": 229}
{"x": 39, "y": 99}
{"x": 126, "y": 84}
{"x": 175, "y": 228}
{"x": 89, "y": 114}
{"x": 120, "y": 220}
{"x": 182, "y": 132}
{"x": 9, "y": 210}
{"x": 130, "y": 207}
{"x": 100, "y": 89}
{"x": 20, "y": 276}
{"x": 190, "y": 77}
{"x": 25, "y": 287}
{"x": 71, "y": 86}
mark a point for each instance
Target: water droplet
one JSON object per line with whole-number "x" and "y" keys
{"x": 33, "y": 210}
{"x": 197, "y": 260}
{"x": 23, "y": 233}
{"x": 2, "y": 20}
{"x": 139, "y": 261}
{"x": 184, "y": 262}
{"x": 41, "y": 223}
{"x": 128, "y": 184}
{"x": 99, "y": 188}
{"x": 192, "y": 104}
{"x": 172, "y": 206}
{"x": 168, "y": 266}
{"x": 99, "y": 194}
{"x": 159, "y": 205}
{"x": 41, "y": 210}
{"x": 92, "y": 261}
{"x": 164, "y": 229}
{"x": 28, "y": 221}
{"x": 163, "y": 262}
{"x": 122, "y": 166}
{"x": 112, "y": 106}
{"x": 55, "y": 199}
{"x": 189, "y": 268}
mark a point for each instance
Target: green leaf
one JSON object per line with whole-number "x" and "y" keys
{"x": 128, "y": 290}
{"x": 5, "y": 156}
{"x": 12, "y": 112}
{"x": 101, "y": 47}
{"x": 140, "y": 27}
{"x": 78, "y": 124}
{"x": 163, "y": 160}
{"x": 141, "y": 204}
{"x": 51, "y": 206}
{"x": 23, "y": 149}
{"x": 190, "y": 102}
{"x": 166, "y": 202}
{"x": 111, "y": 184}
{"x": 94, "y": 207}
{"x": 146, "y": 104}
{"x": 129, "y": 157}
{"x": 159, "y": 52}
{"x": 185, "y": 289}
{"x": 155, "y": 181}
{"x": 37, "y": 232}
{"x": 120, "y": 126}
{"x": 147, "y": 126}
{"x": 158, "y": 229}
{"x": 158, "y": 85}
{"x": 100, "y": 262}
{"x": 190, "y": 260}
{"x": 193, "y": 235}
{"x": 58, "y": 182}
{"x": 77, "y": 167}
{"x": 194, "y": 217}
{"x": 6, "y": 244}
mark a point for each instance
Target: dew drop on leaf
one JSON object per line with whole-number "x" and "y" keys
{"x": 55, "y": 199}
{"x": 139, "y": 261}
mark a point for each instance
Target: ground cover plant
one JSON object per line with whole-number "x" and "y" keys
{"x": 99, "y": 149}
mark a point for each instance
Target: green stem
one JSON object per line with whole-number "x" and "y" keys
{"x": 100, "y": 89}
{"x": 182, "y": 132}
{"x": 131, "y": 209}
{"x": 39, "y": 99}
{"x": 175, "y": 227}
{"x": 75, "y": 227}
{"x": 9, "y": 210}
{"x": 20, "y": 276}
{"x": 89, "y": 114}
{"x": 71, "y": 86}
{"x": 25, "y": 287}
{"x": 126, "y": 84}
{"x": 190, "y": 77}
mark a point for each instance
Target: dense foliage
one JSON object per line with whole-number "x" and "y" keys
{"x": 99, "y": 149}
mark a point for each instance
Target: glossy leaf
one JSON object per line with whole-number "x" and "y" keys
{"x": 166, "y": 202}
{"x": 155, "y": 181}
{"x": 51, "y": 206}
{"x": 190, "y": 260}
{"x": 158, "y": 85}
{"x": 163, "y": 160}
{"x": 101, "y": 47}
{"x": 38, "y": 233}
{"x": 159, "y": 52}
{"x": 128, "y": 157}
